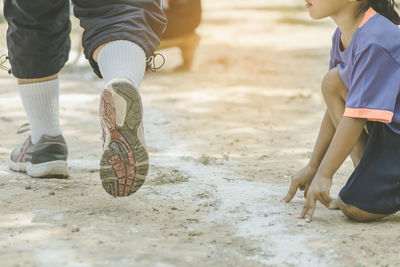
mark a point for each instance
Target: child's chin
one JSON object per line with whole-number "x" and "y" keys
{"x": 316, "y": 16}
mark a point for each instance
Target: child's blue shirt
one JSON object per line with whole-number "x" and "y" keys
{"x": 370, "y": 69}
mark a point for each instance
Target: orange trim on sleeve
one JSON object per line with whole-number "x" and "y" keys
{"x": 369, "y": 14}
{"x": 369, "y": 114}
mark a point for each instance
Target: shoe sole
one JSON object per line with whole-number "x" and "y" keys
{"x": 125, "y": 162}
{"x": 51, "y": 169}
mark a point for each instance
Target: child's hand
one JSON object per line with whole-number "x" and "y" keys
{"x": 335, "y": 205}
{"x": 301, "y": 180}
{"x": 319, "y": 191}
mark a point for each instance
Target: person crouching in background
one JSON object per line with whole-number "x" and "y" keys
{"x": 183, "y": 16}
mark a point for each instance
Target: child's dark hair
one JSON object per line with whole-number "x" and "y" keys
{"x": 386, "y": 8}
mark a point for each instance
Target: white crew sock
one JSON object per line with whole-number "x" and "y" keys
{"x": 122, "y": 59}
{"x": 40, "y": 101}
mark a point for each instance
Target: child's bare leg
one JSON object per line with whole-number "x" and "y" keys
{"x": 356, "y": 214}
{"x": 332, "y": 85}
{"x": 335, "y": 93}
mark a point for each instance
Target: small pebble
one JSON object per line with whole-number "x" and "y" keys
{"x": 28, "y": 186}
{"x": 75, "y": 229}
{"x": 52, "y": 193}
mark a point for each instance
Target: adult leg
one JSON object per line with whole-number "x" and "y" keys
{"x": 38, "y": 44}
{"x": 119, "y": 35}
{"x": 139, "y": 21}
{"x": 37, "y": 37}
{"x": 335, "y": 93}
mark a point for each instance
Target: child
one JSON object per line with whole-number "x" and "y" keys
{"x": 119, "y": 35}
{"x": 362, "y": 94}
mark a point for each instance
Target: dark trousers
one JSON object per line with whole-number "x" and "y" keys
{"x": 183, "y": 17}
{"x": 38, "y": 33}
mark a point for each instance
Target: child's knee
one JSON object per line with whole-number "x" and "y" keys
{"x": 332, "y": 84}
{"x": 356, "y": 214}
{"x": 350, "y": 213}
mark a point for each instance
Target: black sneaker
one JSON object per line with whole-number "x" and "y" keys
{"x": 125, "y": 162}
{"x": 47, "y": 158}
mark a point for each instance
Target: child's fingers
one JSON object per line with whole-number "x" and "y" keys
{"x": 323, "y": 199}
{"x": 310, "y": 212}
{"x": 326, "y": 199}
{"x": 292, "y": 191}
{"x": 306, "y": 190}
{"x": 304, "y": 211}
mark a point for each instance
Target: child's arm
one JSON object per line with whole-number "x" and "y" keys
{"x": 347, "y": 134}
{"x": 303, "y": 178}
{"x": 325, "y": 136}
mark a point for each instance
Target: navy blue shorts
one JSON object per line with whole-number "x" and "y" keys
{"x": 374, "y": 186}
{"x": 38, "y": 33}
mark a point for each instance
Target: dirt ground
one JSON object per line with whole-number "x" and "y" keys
{"x": 224, "y": 140}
